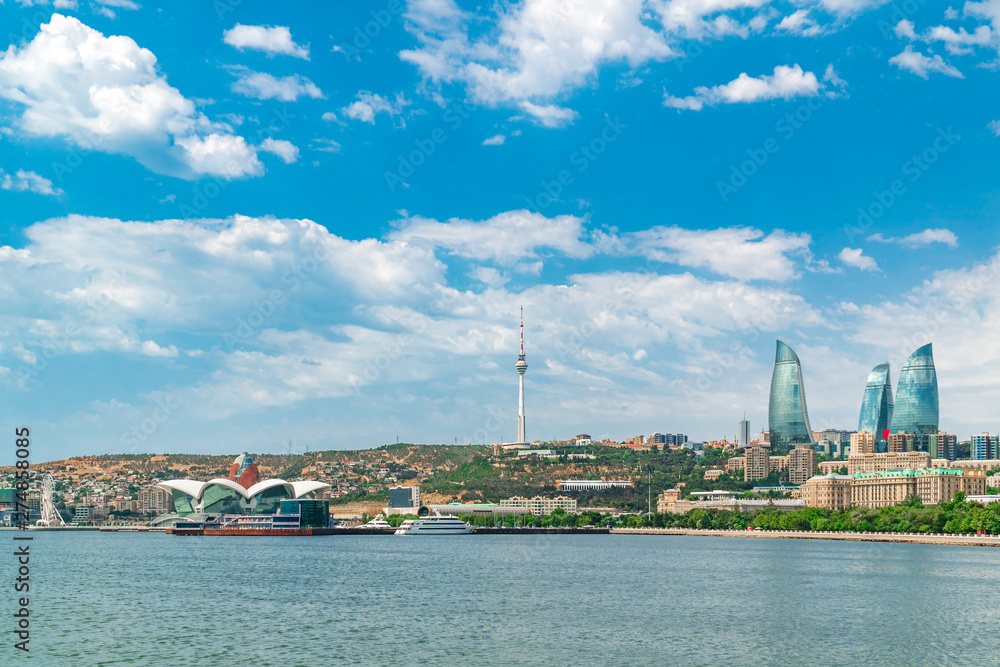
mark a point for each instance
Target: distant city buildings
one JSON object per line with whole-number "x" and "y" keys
{"x": 787, "y": 416}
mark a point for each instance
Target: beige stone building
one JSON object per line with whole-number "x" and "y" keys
{"x": 801, "y": 464}
{"x": 831, "y": 491}
{"x": 736, "y": 464}
{"x": 884, "y": 488}
{"x": 887, "y": 461}
{"x": 712, "y": 475}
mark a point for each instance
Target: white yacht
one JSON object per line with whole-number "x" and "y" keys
{"x": 378, "y": 522}
{"x": 440, "y": 524}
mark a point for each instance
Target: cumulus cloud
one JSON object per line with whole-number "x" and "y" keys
{"x": 786, "y": 83}
{"x": 286, "y": 150}
{"x": 856, "y": 257}
{"x": 921, "y": 65}
{"x": 919, "y": 239}
{"x": 106, "y": 94}
{"x": 507, "y": 238}
{"x": 272, "y": 40}
{"x": 540, "y": 50}
{"x": 369, "y": 104}
{"x": 28, "y": 181}
{"x": 264, "y": 86}
{"x": 495, "y": 140}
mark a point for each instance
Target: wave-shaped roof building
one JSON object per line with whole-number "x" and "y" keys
{"x": 230, "y": 496}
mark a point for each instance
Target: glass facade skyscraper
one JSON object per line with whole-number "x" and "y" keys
{"x": 916, "y": 409}
{"x": 787, "y": 415}
{"x": 877, "y": 405}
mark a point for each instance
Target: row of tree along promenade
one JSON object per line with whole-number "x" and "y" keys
{"x": 910, "y": 538}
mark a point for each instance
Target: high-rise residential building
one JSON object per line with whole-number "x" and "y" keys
{"x": 985, "y": 446}
{"x": 743, "y": 434}
{"x": 156, "y": 500}
{"x": 787, "y": 415}
{"x": 916, "y": 408}
{"x": 877, "y": 405}
{"x": 757, "y": 464}
{"x": 862, "y": 442}
{"x": 942, "y": 445}
{"x": 801, "y": 464}
{"x": 903, "y": 442}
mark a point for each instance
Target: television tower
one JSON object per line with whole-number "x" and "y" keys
{"x": 521, "y": 367}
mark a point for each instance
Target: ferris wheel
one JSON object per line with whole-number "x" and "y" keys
{"x": 50, "y": 517}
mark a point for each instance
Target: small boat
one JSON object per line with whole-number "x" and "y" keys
{"x": 440, "y": 524}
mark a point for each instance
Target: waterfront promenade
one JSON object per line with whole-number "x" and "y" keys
{"x": 905, "y": 538}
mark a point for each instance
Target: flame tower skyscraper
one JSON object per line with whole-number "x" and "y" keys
{"x": 521, "y": 367}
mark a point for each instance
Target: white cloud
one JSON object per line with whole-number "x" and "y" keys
{"x": 922, "y": 65}
{"x": 542, "y": 48}
{"x": 995, "y": 126}
{"x": 800, "y": 24}
{"x": 786, "y": 83}
{"x": 286, "y": 150}
{"x": 855, "y": 257}
{"x": 495, "y": 140}
{"x": 272, "y": 40}
{"x": 325, "y": 146}
{"x": 506, "y": 238}
{"x": 105, "y": 94}
{"x": 738, "y": 252}
{"x": 919, "y": 239}
{"x": 28, "y": 181}
{"x": 549, "y": 115}
{"x": 368, "y": 105}
{"x": 263, "y": 86}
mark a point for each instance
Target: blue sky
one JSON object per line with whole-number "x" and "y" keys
{"x": 232, "y": 225}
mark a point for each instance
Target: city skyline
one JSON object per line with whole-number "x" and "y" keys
{"x": 235, "y": 225}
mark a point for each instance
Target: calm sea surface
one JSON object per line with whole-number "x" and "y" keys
{"x": 153, "y": 599}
